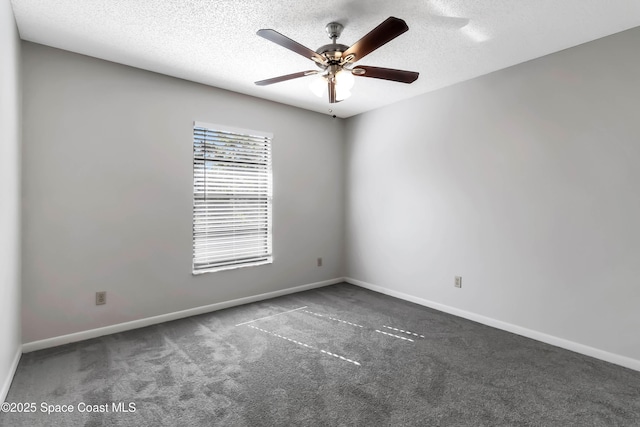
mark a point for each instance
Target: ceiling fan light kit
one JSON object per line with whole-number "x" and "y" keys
{"x": 335, "y": 60}
{"x": 343, "y": 81}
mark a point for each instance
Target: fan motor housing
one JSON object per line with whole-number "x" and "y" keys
{"x": 333, "y": 52}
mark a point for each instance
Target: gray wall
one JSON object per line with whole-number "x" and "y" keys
{"x": 108, "y": 193}
{"x": 9, "y": 194}
{"x": 525, "y": 182}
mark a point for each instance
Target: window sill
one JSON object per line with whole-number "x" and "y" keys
{"x": 232, "y": 267}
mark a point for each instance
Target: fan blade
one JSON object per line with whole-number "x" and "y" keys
{"x": 401, "y": 76}
{"x": 286, "y": 77}
{"x": 286, "y": 42}
{"x": 379, "y": 36}
{"x": 332, "y": 91}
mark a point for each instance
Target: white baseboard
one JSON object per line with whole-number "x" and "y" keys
{"x": 617, "y": 359}
{"x": 141, "y": 323}
{"x": 12, "y": 371}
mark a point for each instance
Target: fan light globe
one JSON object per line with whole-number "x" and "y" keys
{"x": 344, "y": 80}
{"x": 342, "y": 94}
{"x": 319, "y": 86}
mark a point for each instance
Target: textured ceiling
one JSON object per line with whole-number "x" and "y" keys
{"x": 214, "y": 41}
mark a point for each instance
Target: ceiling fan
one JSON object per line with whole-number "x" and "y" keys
{"x": 336, "y": 60}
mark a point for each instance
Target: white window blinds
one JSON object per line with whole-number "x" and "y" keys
{"x": 232, "y": 193}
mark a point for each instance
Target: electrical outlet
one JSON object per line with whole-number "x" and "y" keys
{"x": 458, "y": 282}
{"x": 319, "y": 262}
{"x": 101, "y": 298}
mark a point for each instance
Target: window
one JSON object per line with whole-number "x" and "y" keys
{"x": 232, "y": 192}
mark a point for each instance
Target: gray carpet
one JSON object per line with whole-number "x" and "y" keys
{"x": 350, "y": 357}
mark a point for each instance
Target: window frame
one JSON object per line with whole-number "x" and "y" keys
{"x": 266, "y": 194}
